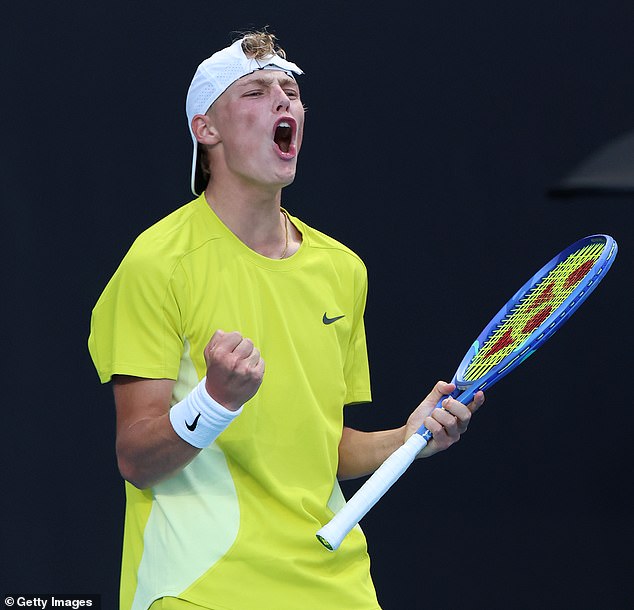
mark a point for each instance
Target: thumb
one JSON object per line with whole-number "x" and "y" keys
{"x": 442, "y": 388}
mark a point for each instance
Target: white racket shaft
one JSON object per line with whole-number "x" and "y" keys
{"x": 332, "y": 534}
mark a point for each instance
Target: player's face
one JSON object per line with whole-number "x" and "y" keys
{"x": 260, "y": 121}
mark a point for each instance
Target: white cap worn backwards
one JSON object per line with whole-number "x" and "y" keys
{"x": 213, "y": 77}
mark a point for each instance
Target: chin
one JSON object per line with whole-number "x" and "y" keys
{"x": 286, "y": 178}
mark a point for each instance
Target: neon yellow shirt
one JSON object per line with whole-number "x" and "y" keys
{"x": 235, "y": 529}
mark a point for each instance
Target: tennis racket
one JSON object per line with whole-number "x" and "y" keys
{"x": 527, "y": 320}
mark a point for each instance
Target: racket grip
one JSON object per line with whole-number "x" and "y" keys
{"x": 333, "y": 533}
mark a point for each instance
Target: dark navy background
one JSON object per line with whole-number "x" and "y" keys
{"x": 433, "y": 133}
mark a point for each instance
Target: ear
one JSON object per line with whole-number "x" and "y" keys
{"x": 204, "y": 130}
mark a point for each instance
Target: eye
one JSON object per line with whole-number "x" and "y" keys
{"x": 292, "y": 93}
{"x": 253, "y": 93}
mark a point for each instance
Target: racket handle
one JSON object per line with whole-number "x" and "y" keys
{"x": 333, "y": 533}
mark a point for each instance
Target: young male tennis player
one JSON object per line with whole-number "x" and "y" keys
{"x": 230, "y": 470}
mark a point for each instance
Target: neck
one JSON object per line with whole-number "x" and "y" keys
{"x": 255, "y": 219}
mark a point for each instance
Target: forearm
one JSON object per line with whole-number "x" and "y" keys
{"x": 361, "y": 453}
{"x": 148, "y": 448}
{"x": 150, "y": 451}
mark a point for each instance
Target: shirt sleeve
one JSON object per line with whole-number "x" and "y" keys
{"x": 136, "y": 326}
{"x": 356, "y": 368}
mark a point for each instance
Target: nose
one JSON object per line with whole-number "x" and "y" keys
{"x": 281, "y": 100}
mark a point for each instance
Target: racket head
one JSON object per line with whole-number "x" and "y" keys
{"x": 535, "y": 312}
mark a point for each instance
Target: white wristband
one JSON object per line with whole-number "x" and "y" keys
{"x": 199, "y": 419}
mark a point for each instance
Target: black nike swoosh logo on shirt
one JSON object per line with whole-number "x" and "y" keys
{"x": 327, "y": 320}
{"x": 191, "y": 427}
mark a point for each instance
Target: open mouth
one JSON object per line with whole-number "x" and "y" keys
{"x": 283, "y": 136}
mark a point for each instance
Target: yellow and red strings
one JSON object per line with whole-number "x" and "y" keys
{"x": 532, "y": 309}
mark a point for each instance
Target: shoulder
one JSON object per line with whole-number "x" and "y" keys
{"x": 164, "y": 244}
{"x": 330, "y": 246}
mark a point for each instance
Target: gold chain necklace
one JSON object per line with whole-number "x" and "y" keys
{"x": 283, "y": 255}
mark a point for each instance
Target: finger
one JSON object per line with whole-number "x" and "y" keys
{"x": 435, "y": 427}
{"x": 224, "y": 342}
{"x": 461, "y": 412}
{"x": 258, "y": 369}
{"x": 244, "y": 349}
{"x": 447, "y": 420}
{"x": 217, "y": 337}
{"x": 477, "y": 402}
{"x": 254, "y": 358}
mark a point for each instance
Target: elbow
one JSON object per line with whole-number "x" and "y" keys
{"x": 131, "y": 472}
{"x": 132, "y": 476}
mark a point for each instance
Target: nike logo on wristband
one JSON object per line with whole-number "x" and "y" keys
{"x": 191, "y": 427}
{"x": 327, "y": 320}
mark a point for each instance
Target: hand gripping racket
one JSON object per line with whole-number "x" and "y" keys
{"x": 530, "y": 317}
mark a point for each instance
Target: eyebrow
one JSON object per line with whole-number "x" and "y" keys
{"x": 267, "y": 82}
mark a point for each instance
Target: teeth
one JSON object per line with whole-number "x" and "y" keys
{"x": 284, "y": 124}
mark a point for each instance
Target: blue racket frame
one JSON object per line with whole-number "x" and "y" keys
{"x": 466, "y": 390}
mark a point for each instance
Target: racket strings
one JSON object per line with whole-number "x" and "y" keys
{"x": 532, "y": 309}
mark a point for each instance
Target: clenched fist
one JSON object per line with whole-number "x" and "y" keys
{"x": 235, "y": 369}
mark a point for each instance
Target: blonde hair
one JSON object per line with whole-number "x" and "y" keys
{"x": 258, "y": 45}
